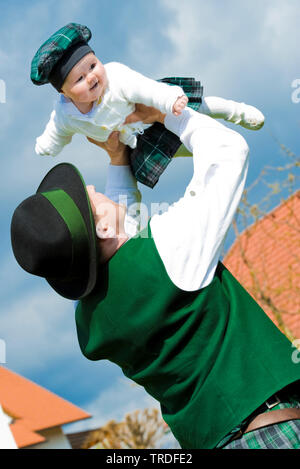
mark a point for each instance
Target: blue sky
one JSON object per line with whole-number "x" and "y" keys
{"x": 247, "y": 51}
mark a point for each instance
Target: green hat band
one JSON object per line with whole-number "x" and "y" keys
{"x": 72, "y": 217}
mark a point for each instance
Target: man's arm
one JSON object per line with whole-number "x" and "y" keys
{"x": 189, "y": 236}
{"x": 121, "y": 185}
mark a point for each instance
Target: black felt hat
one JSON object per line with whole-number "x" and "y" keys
{"x": 53, "y": 233}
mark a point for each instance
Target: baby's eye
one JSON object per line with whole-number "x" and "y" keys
{"x": 93, "y": 65}
{"x": 79, "y": 79}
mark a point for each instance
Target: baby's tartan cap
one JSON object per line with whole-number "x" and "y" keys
{"x": 57, "y": 56}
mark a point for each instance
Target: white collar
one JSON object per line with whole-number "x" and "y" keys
{"x": 69, "y": 108}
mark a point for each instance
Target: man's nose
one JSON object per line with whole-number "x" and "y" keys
{"x": 90, "y": 188}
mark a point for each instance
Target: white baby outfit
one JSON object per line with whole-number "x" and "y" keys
{"x": 125, "y": 88}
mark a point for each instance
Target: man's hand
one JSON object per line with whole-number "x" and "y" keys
{"x": 179, "y": 105}
{"x": 117, "y": 151}
{"x": 146, "y": 114}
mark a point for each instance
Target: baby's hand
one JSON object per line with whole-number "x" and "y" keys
{"x": 179, "y": 105}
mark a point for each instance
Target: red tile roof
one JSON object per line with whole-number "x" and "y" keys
{"x": 265, "y": 259}
{"x": 33, "y": 408}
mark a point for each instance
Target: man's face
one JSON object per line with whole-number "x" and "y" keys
{"x": 87, "y": 80}
{"x": 109, "y": 220}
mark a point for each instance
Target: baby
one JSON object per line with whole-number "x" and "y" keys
{"x": 95, "y": 100}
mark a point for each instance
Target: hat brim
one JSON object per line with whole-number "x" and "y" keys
{"x": 65, "y": 176}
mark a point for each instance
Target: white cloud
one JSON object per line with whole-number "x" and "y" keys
{"x": 38, "y": 328}
{"x": 234, "y": 45}
{"x": 25, "y": 170}
{"x": 11, "y": 276}
{"x": 280, "y": 34}
{"x": 27, "y": 108}
{"x": 114, "y": 403}
{"x": 123, "y": 397}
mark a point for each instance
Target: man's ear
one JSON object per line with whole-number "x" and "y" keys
{"x": 104, "y": 231}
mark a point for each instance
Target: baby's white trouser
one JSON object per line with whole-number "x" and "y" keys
{"x": 191, "y": 123}
{"x": 218, "y": 108}
{"x": 205, "y": 137}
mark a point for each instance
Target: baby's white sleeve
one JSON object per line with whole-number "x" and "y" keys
{"x": 137, "y": 88}
{"x": 54, "y": 137}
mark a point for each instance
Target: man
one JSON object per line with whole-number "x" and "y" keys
{"x": 159, "y": 303}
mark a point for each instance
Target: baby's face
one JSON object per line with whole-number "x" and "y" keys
{"x": 87, "y": 80}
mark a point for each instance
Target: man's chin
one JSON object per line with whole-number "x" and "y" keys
{"x": 107, "y": 249}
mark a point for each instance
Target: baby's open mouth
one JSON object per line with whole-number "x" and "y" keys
{"x": 94, "y": 86}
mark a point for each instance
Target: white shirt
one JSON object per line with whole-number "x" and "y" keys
{"x": 125, "y": 88}
{"x": 189, "y": 236}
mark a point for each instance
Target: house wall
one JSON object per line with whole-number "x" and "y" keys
{"x": 55, "y": 439}
{"x": 6, "y": 438}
